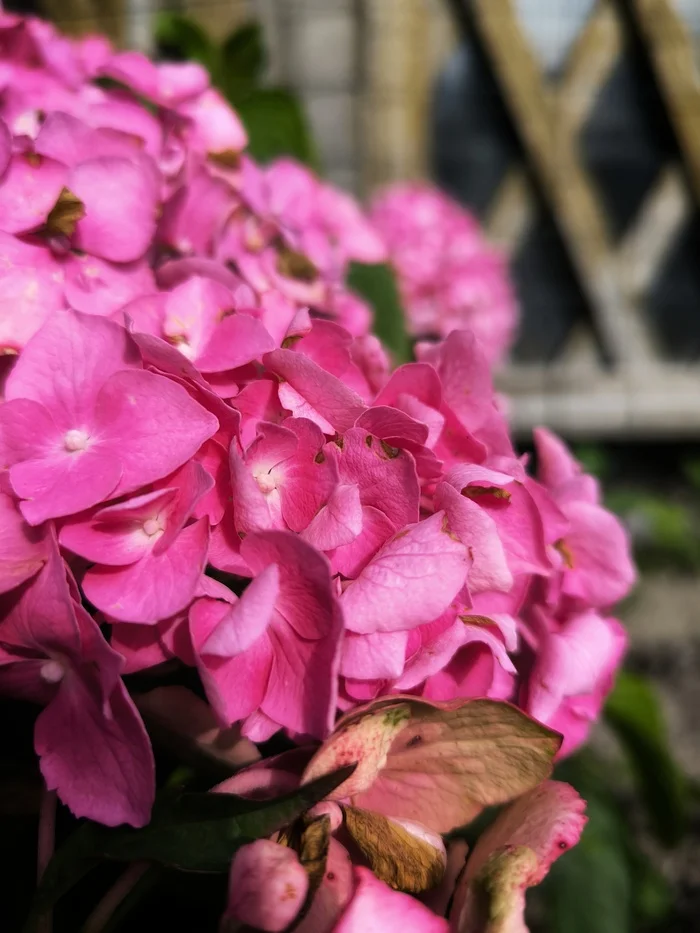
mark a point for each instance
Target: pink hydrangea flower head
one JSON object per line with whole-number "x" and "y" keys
{"x": 449, "y": 277}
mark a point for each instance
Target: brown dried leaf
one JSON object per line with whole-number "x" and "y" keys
{"x": 404, "y": 861}
{"x": 65, "y": 214}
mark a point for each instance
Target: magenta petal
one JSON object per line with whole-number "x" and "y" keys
{"x": 247, "y": 619}
{"x": 155, "y": 587}
{"x": 386, "y": 422}
{"x": 153, "y": 423}
{"x": 69, "y": 140}
{"x": 397, "y": 589}
{"x": 376, "y": 907}
{"x": 100, "y": 761}
{"x": 121, "y": 200}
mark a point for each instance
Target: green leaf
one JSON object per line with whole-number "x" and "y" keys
{"x": 243, "y": 61}
{"x": 276, "y": 126}
{"x": 201, "y": 832}
{"x": 634, "y": 713}
{"x": 190, "y": 831}
{"x": 182, "y": 39}
{"x": 377, "y": 284}
{"x": 591, "y": 888}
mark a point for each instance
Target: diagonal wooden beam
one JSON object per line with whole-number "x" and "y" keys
{"x": 670, "y": 49}
{"x": 551, "y": 151}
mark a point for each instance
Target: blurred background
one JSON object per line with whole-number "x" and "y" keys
{"x": 571, "y": 128}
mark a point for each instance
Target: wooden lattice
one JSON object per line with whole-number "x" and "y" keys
{"x": 638, "y": 392}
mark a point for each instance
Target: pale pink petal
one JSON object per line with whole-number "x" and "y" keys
{"x": 350, "y": 559}
{"x": 379, "y": 656}
{"x": 333, "y": 894}
{"x": 603, "y": 572}
{"x": 397, "y": 590}
{"x": 268, "y": 886}
{"x": 338, "y": 522}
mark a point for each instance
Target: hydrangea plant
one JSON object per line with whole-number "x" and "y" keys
{"x": 210, "y": 463}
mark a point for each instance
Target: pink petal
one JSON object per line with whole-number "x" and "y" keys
{"x": 96, "y": 286}
{"x": 155, "y": 587}
{"x": 114, "y": 535}
{"x": 307, "y": 597}
{"x": 397, "y": 589}
{"x": 153, "y": 424}
{"x": 23, "y": 549}
{"x": 376, "y": 906}
{"x": 338, "y": 522}
{"x": 333, "y": 895}
{"x": 479, "y": 532}
{"x": 516, "y": 852}
{"x": 28, "y": 190}
{"x": 99, "y": 760}
{"x": 68, "y": 140}
{"x": 121, "y": 201}
{"x": 380, "y": 656}
{"x": 603, "y": 572}
{"x": 239, "y": 339}
{"x": 386, "y": 423}
{"x": 235, "y": 687}
{"x": 338, "y": 405}
{"x": 247, "y": 619}
{"x": 31, "y": 290}
{"x": 268, "y": 886}
{"x": 53, "y": 480}
{"x": 67, "y": 361}
{"x": 350, "y": 559}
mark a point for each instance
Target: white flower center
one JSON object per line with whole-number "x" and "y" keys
{"x": 152, "y": 526}
{"x": 75, "y": 440}
{"x": 266, "y": 482}
{"x": 52, "y": 672}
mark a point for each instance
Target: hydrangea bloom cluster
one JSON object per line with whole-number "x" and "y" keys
{"x": 449, "y": 276}
{"x": 208, "y": 460}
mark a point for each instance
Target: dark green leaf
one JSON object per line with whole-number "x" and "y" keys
{"x": 182, "y": 39}
{"x": 276, "y": 126}
{"x": 243, "y": 61}
{"x": 634, "y": 713}
{"x": 201, "y": 832}
{"x": 377, "y": 284}
{"x": 193, "y": 832}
